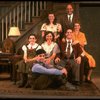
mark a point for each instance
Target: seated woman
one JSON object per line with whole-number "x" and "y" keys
{"x": 79, "y": 37}
{"x": 29, "y": 58}
{"x": 51, "y": 47}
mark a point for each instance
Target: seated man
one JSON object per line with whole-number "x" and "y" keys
{"x": 40, "y": 67}
{"x": 70, "y": 58}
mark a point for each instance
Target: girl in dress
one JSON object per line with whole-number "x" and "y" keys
{"x": 25, "y": 65}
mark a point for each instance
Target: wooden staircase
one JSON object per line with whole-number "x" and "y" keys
{"x": 28, "y": 16}
{"x": 23, "y": 15}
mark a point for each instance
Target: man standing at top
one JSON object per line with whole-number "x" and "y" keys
{"x": 68, "y": 19}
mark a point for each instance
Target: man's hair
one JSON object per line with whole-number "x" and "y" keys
{"x": 32, "y": 35}
{"x": 70, "y": 3}
{"x": 40, "y": 51}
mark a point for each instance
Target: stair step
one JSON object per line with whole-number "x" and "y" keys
{"x": 35, "y": 19}
{"x": 28, "y": 25}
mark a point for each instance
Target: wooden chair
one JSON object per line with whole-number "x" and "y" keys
{"x": 8, "y": 50}
{"x": 8, "y": 46}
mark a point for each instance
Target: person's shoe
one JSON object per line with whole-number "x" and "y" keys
{"x": 14, "y": 83}
{"x": 77, "y": 83}
{"x": 21, "y": 85}
{"x": 70, "y": 86}
{"x": 27, "y": 85}
{"x": 88, "y": 81}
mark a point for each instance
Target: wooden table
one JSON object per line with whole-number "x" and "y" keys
{"x": 15, "y": 59}
{"x": 6, "y": 62}
{"x": 9, "y": 60}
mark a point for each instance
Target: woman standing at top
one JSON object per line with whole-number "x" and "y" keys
{"x": 51, "y": 25}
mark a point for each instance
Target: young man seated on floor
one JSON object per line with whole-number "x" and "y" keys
{"x": 50, "y": 72}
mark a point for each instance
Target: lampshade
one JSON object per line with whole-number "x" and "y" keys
{"x": 14, "y": 31}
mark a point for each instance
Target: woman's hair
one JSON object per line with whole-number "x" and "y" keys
{"x": 55, "y": 20}
{"x": 49, "y": 32}
{"x": 78, "y": 22}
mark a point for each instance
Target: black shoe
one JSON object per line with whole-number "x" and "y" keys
{"x": 88, "y": 81}
{"x": 70, "y": 86}
{"x": 27, "y": 85}
{"x": 76, "y": 83}
{"x": 21, "y": 85}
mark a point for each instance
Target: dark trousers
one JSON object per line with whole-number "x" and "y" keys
{"x": 84, "y": 67}
{"x": 73, "y": 69}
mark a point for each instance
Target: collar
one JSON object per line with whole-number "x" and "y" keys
{"x": 70, "y": 15}
{"x": 69, "y": 40}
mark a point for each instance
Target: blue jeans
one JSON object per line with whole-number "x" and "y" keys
{"x": 40, "y": 69}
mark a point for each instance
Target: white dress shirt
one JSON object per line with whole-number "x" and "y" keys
{"x": 71, "y": 17}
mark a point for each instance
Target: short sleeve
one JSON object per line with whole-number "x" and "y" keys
{"x": 24, "y": 48}
{"x": 43, "y": 27}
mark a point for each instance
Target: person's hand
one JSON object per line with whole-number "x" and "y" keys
{"x": 27, "y": 60}
{"x": 57, "y": 60}
{"x": 43, "y": 33}
{"x": 47, "y": 61}
{"x": 78, "y": 60}
{"x": 63, "y": 40}
{"x": 64, "y": 71}
{"x": 56, "y": 37}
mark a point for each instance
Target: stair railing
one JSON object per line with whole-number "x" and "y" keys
{"x": 19, "y": 14}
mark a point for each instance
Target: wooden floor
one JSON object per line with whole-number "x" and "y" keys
{"x": 4, "y": 76}
{"x": 9, "y": 90}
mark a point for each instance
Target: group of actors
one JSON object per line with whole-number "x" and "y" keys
{"x": 60, "y": 58}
